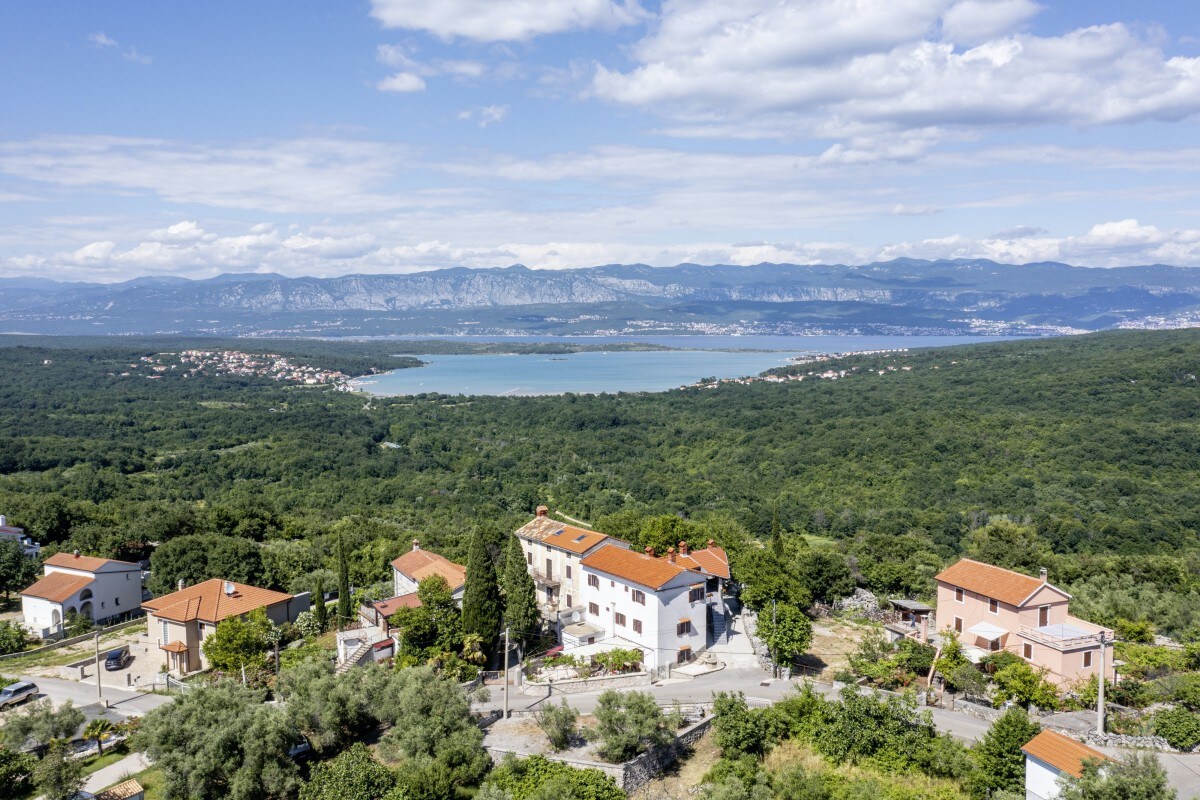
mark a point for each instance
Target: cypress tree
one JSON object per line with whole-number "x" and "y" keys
{"x": 520, "y": 599}
{"x": 320, "y": 610}
{"x": 343, "y": 604}
{"x": 481, "y": 607}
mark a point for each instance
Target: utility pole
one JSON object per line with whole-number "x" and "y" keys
{"x": 506, "y": 672}
{"x": 1100, "y": 691}
{"x": 99, "y": 689}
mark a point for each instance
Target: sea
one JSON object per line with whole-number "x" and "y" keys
{"x": 611, "y": 371}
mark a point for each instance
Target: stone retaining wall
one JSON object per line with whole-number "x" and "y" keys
{"x": 578, "y": 685}
{"x": 1125, "y": 740}
{"x": 129, "y": 623}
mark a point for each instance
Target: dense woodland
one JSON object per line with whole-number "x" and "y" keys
{"x": 1089, "y": 445}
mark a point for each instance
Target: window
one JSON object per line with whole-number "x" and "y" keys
{"x": 126, "y": 576}
{"x": 568, "y": 572}
{"x": 685, "y": 655}
{"x": 117, "y": 601}
{"x": 166, "y": 631}
{"x": 549, "y": 569}
{"x": 684, "y": 628}
{"x": 696, "y": 594}
{"x": 993, "y": 605}
{"x": 639, "y": 596}
{"x": 594, "y": 609}
{"x": 994, "y": 645}
{"x": 958, "y": 624}
{"x": 637, "y": 626}
{"x": 1043, "y": 616}
{"x": 569, "y": 603}
{"x": 611, "y": 584}
{"x": 619, "y": 618}
{"x": 594, "y": 581}
{"x": 102, "y": 604}
{"x": 1027, "y": 651}
{"x": 1087, "y": 659}
{"x": 529, "y": 558}
{"x": 958, "y": 594}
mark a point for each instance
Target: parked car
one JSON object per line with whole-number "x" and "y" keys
{"x": 16, "y": 693}
{"x": 117, "y": 659}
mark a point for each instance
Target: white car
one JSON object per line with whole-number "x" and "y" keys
{"x": 16, "y": 693}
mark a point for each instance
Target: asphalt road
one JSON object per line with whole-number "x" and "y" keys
{"x": 122, "y": 701}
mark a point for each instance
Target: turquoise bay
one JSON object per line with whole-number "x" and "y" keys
{"x": 596, "y": 372}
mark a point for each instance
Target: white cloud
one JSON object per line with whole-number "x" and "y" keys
{"x": 827, "y": 68}
{"x": 505, "y": 20}
{"x": 101, "y": 40}
{"x": 485, "y": 115}
{"x": 402, "y": 82}
{"x": 133, "y": 55}
{"x": 974, "y": 21}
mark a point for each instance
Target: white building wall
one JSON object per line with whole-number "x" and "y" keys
{"x": 660, "y": 615}
{"x": 113, "y": 593}
{"x": 39, "y": 613}
{"x": 1041, "y": 780}
{"x": 406, "y": 585}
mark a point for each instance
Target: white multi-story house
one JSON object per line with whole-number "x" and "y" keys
{"x": 553, "y": 551}
{"x": 654, "y": 604}
{"x": 17, "y": 535}
{"x": 97, "y": 588}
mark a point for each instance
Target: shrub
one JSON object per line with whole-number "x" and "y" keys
{"x": 629, "y": 723}
{"x": 1180, "y": 727}
{"x": 558, "y": 723}
{"x": 1139, "y": 631}
{"x": 535, "y": 776}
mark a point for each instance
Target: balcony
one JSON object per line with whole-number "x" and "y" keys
{"x": 542, "y": 579}
{"x": 1070, "y": 635}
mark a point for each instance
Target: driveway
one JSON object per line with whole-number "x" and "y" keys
{"x": 123, "y": 701}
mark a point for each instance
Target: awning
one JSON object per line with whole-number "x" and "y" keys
{"x": 911, "y": 606}
{"x": 175, "y": 647}
{"x": 986, "y": 630}
{"x": 683, "y": 620}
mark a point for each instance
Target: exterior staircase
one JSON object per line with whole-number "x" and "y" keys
{"x": 355, "y": 658}
{"x": 719, "y": 626}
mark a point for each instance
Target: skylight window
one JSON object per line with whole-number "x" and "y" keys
{"x": 580, "y": 537}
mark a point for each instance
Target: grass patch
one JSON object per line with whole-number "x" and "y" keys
{"x": 818, "y": 541}
{"x": 111, "y": 756}
{"x": 152, "y": 780}
{"x": 66, "y": 654}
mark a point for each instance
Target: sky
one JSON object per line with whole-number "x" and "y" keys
{"x": 308, "y": 137}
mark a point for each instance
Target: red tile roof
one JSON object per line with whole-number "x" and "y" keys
{"x": 1061, "y": 752}
{"x": 421, "y": 564}
{"x": 208, "y": 601}
{"x": 561, "y": 535}
{"x": 394, "y": 604}
{"x": 86, "y": 563}
{"x": 57, "y": 586}
{"x": 1002, "y": 584}
{"x": 174, "y": 647}
{"x": 639, "y": 568}
{"x": 712, "y": 560}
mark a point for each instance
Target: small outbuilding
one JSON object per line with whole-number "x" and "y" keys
{"x": 1049, "y": 756}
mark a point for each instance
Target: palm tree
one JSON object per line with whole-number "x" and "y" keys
{"x": 96, "y": 729}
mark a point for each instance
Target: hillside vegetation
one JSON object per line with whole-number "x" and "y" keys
{"x": 1091, "y": 444}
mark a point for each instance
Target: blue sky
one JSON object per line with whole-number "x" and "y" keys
{"x": 317, "y": 138}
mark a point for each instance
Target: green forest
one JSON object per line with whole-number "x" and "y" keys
{"x": 1089, "y": 446}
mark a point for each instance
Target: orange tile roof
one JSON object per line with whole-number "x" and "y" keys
{"x": 57, "y": 586}
{"x": 122, "y": 791}
{"x": 561, "y": 535}
{"x": 394, "y": 604}
{"x": 1002, "y": 584}
{"x": 421, "y": 564}
{"x": 1061, "y": 752}
{"x": 712, "y": 559}
{"x": 174, "y": 647}
{"x": 208, "y": 602}
{"x": 638, "y": 568}
{"x": 87, "y": 563}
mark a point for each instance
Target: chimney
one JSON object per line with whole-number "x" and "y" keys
{"x": 229, "y": 590}
{"x": 683, "y": 548}
{"x": 542, "y": 511}
{"x": 650, "y": 551}
{"x": 711, "y": 542}
{"x": 416, "y": 544}
{"x": 671, "y": 554}
{"x": 1043, "y": 574}
{"x": 179, "y": 585}
{"x": 925, "y": 628}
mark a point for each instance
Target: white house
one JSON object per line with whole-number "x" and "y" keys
{"x": 17, "y": 535}
{"x": 1048, "y": 757}
{"x": 97, "y": 588}
{"x": 553, "y": 551}
{"x": 656, "y": 604}
{"x": 416, "y": 565}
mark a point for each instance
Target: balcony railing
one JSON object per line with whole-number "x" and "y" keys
{"x": 544, "y": 579}
{"x": 1063, "y": 643}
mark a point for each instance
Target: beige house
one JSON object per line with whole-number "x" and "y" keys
{"x": 553, "y": 551}
{"x": 416, "y": 565}
{"x": 180, "y": 622}
{"x": 995, "y": 609}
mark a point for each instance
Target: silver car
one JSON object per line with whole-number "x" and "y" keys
{"x": 16, "y": 693}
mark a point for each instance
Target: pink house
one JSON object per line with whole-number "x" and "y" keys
{"x": 997, "y": 609}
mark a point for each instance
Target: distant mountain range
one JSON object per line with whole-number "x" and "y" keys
{"x": 900, "y": 296}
